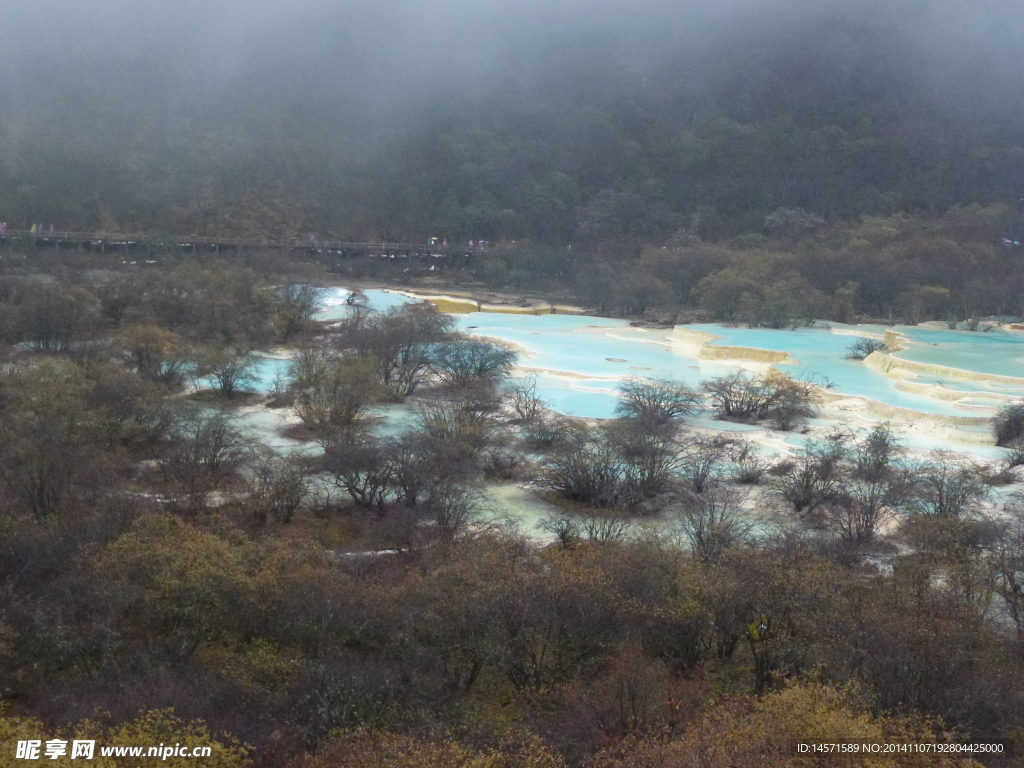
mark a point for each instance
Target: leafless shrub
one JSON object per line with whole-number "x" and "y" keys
{"x": 713, "y": 522}
{"x": 864, "y": 346}
{"x": 524, "y": 401}
{"x": 277, "y": 488}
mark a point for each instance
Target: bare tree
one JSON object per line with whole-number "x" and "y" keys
{"x": 1008, "y": 556}
{"x": 229, "y": 369}
{"x": 587, "y": 469}
{"x": 465, "y": 361}
{"x": 451, "y": 505}
{"x": 774, "y": 396}
{"x": 750, "y": 465}
{"x": 816, "y": 477}
{"x": 360, "y": 465}
{"x": 875, "y": 454}
{"x": 565, "y": 529}
{"x": 41, "y": 462}
{"x": 620, "y": 465}
{"x": 1013, "y": 457}
{"x": 948, "y": 487}
{"x": 310, "y": 364}
{"x": 656, "y": 402}
{"x": 277, "y": 488}
{"x": 700, "y": 462}
{"x": 401, "y": 341}
{"x": 464, "y": 421}
{"x": 296, "y": 306}
{"x": 650, "y": 458}
{"x": 863, "y": 505}
{"x": 1008, "y": 425}
{"x": 523, "y": 396}
{"x": 864, "y": 346}
{"x": 604, "y": 529}
{"x": 335, "y": 391}
{"x": 793, "y": 402}
{"x": 414, "y": 458}
{"x": 713, "y": 522}
{"x": 157, "y": 354}
{"x": 207, "y": 450}
{"x": 55, "y": 318}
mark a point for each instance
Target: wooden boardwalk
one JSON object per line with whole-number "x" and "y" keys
{"x": 107, "y": 242}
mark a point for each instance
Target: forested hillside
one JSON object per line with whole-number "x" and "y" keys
{"x": 341, "y": 595}
{"x": 569, "y": 125}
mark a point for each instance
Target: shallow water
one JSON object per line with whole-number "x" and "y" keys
{"x": 335, "y": 308}
{"x": 592, "y": 354}
{"x": 821, "y": 355}
{"x": 268, "y": 426}
{"x": 271, "y": 373}
{"x": 997, "y": 352}
{"x": 579, "y": 362}
{"x": 513, "y": 505}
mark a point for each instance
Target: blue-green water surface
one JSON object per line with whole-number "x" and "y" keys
{"x": 580, "y": 360}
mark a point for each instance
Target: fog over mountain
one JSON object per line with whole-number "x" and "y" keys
{"x": 529, "y": 119}
{"x": 662, "y": 406}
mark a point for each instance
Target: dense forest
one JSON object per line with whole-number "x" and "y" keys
{"x": 556, "y": 124}
{"x": 957, "y": 268}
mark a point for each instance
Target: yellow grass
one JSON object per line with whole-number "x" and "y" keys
{"x": 455, "y": 306}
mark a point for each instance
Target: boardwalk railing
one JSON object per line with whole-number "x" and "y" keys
{"x": 103, "y": 240}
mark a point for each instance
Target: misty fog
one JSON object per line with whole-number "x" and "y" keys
{"x": 378, "y": 119}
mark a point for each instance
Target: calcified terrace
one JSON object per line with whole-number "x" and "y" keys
{"x": 579, "y": 361}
